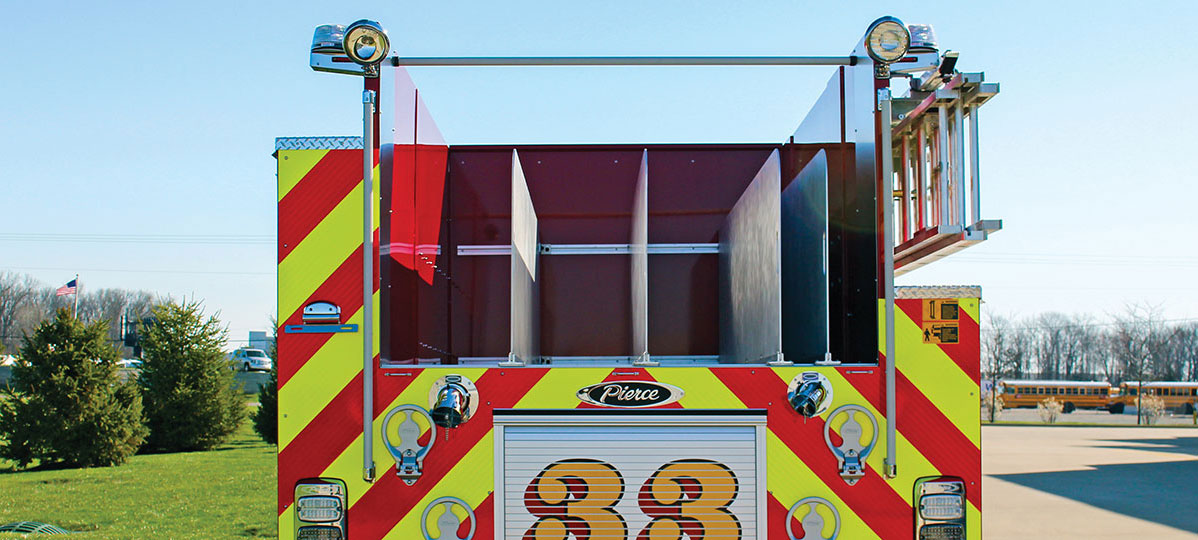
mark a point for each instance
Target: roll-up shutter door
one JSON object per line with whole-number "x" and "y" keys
{"x": 618, "y": 476}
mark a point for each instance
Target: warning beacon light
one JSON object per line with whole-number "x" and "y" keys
{"x": 354, "y": 50}
{"x": 366, "y": 42}
{"x": 887, "y": 40}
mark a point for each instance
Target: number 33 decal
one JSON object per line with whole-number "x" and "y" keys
{"x": 578, "y": 497}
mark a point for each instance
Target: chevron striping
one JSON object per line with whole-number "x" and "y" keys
{"x": 327, "y": 435}
{"x": 318, "y": 256}
{"x": 852, "y": 388}
{"x": 462, "y": 481}
{"x": 968, "y": 333}
{"x": 872, "y": 498}
{"x": 316, "y": 384}
{"x": 342, "y": 288}
{"x": 937, "y": 377}
{"x": 504, "y": 388}
{"x": 703, "y": 389}
{"x": 294, "y": 165}
{"x": 946, "y": 446}
{"x": 790, "y": 479}
{"x": 348, "y": 463}
{"x": 315, "y": 195}
{"x": 558, "y": 388}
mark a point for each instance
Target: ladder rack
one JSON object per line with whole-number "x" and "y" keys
{"x": 936, "y": 185}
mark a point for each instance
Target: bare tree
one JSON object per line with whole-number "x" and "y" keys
{"x": 1134, "y": 339}
{"x": 997, "y": 360}
{"x": 16, "y": 291}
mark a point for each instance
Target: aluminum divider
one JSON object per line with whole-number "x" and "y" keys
{"x": 805, "y": 292}
{"x": 750, "y": 272}
{"x": 639, "y": 262}
{"x": 525, "y": 292}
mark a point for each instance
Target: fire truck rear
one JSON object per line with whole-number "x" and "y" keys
{"x": 630, "y": 341}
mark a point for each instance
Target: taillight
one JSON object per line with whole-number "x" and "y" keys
{"x": 320, "y": 508}
{"x": 940, "y": 508}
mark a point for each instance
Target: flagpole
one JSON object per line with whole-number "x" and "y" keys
{"x": 76, "y": 296}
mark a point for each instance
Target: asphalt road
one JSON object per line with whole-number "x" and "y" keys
{"x": 1089, "y": 482}
{"x": 251, "y": 381}
{"x": 1092, "y": 416}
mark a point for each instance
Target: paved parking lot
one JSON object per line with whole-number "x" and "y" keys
{"x": 1091, "y": 416}
{"x": 1089, "y": 482}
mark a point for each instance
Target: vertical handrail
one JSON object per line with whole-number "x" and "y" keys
{"x": 942, "y": 152}
{"x": 920, "y": 190}
{"x": 959, "y": 163}
{"x": 884, "y": 106}
{"x": 975, "y": 170}
{"x": 906, "y": 191}
{"x": 368, "y": 99}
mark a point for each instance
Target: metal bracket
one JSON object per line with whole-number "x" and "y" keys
{"x": 409, "y": 455}
{"x": 448, "y": 522}
{"x": 813, "y": 523}
{"x": 851, "y": 454}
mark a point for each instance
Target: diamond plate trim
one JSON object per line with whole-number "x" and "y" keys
{"x": 318, "y": 143}
{"x": 938, "y": 291}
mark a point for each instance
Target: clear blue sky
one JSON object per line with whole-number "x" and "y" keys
{"x": 150, "y": 118}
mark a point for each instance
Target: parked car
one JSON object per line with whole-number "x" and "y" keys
{"x": 129, "y": 363}
{"x": 251, "y": 360}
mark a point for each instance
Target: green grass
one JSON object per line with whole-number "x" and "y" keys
{"x": 224, "y": 493}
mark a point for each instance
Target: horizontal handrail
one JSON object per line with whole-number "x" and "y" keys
{"x": 427, "y": 61}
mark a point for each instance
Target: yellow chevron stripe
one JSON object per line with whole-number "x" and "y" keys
{"x": 469, "y": 480}
{"x": 789, "y": 479}
{"x": 935, "y": 374}
{"x": 287, "y": 524}
{"x": 321, "y": 378}
{"x": 323, "y": 250}
{"x": 703, "y": 389}
{"x": 973, "y": 522}
{"x": 348, "y": 465}
{"x": 558, "y": 388}
{"x": 913, "y": 464}
{"x": 294, "y": 165}
{"x": 972, "y": 307}
{"x": 320, "y": 253}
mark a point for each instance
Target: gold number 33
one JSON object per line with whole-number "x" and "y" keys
{"x": 578, "y": 497}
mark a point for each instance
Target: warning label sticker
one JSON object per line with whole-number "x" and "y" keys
{"x": 941, "y": 310}
{"x": 941, "y": 332}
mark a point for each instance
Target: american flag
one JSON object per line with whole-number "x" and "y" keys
{"x": 70, "y": 288}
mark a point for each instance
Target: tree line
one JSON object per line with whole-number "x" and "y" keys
{"x": 69, "y": 405}
{"x": 26, "y": 302}
{"x": 1137, "y": 344}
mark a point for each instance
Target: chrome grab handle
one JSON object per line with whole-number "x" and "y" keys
{"x": 813, "y": 523}
{"x": 851, "y": 454}
{"x": 409, "y": 455}
{"x": 448, "y": 522}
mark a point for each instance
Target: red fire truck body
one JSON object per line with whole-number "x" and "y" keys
{"x": 617, "y": 342}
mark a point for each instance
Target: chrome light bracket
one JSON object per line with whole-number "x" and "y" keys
{"x": 408, "y": 454}
{"x": 447, "y": 522}
{"x": 851, "y": 454}
{"x": 813, "y": 523}
{"x": 453, "y": 400}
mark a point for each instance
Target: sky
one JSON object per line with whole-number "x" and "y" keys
{"x": 136, "y": 137}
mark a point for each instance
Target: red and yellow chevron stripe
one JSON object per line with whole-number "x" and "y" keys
{"x": 320, "y": 394}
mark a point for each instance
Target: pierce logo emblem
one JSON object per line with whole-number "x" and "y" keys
{"x": 630, "y": 394}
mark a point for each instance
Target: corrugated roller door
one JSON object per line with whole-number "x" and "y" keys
{"x": 614, "y": 481}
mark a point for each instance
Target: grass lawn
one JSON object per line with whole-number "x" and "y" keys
{"x": 224, "y": 493}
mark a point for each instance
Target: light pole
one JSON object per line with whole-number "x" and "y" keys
{"x": 365, "y": 45}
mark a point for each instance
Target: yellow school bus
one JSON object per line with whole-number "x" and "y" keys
{"x": 1177, "y": 395}
{"x": 1072, "y": 394}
